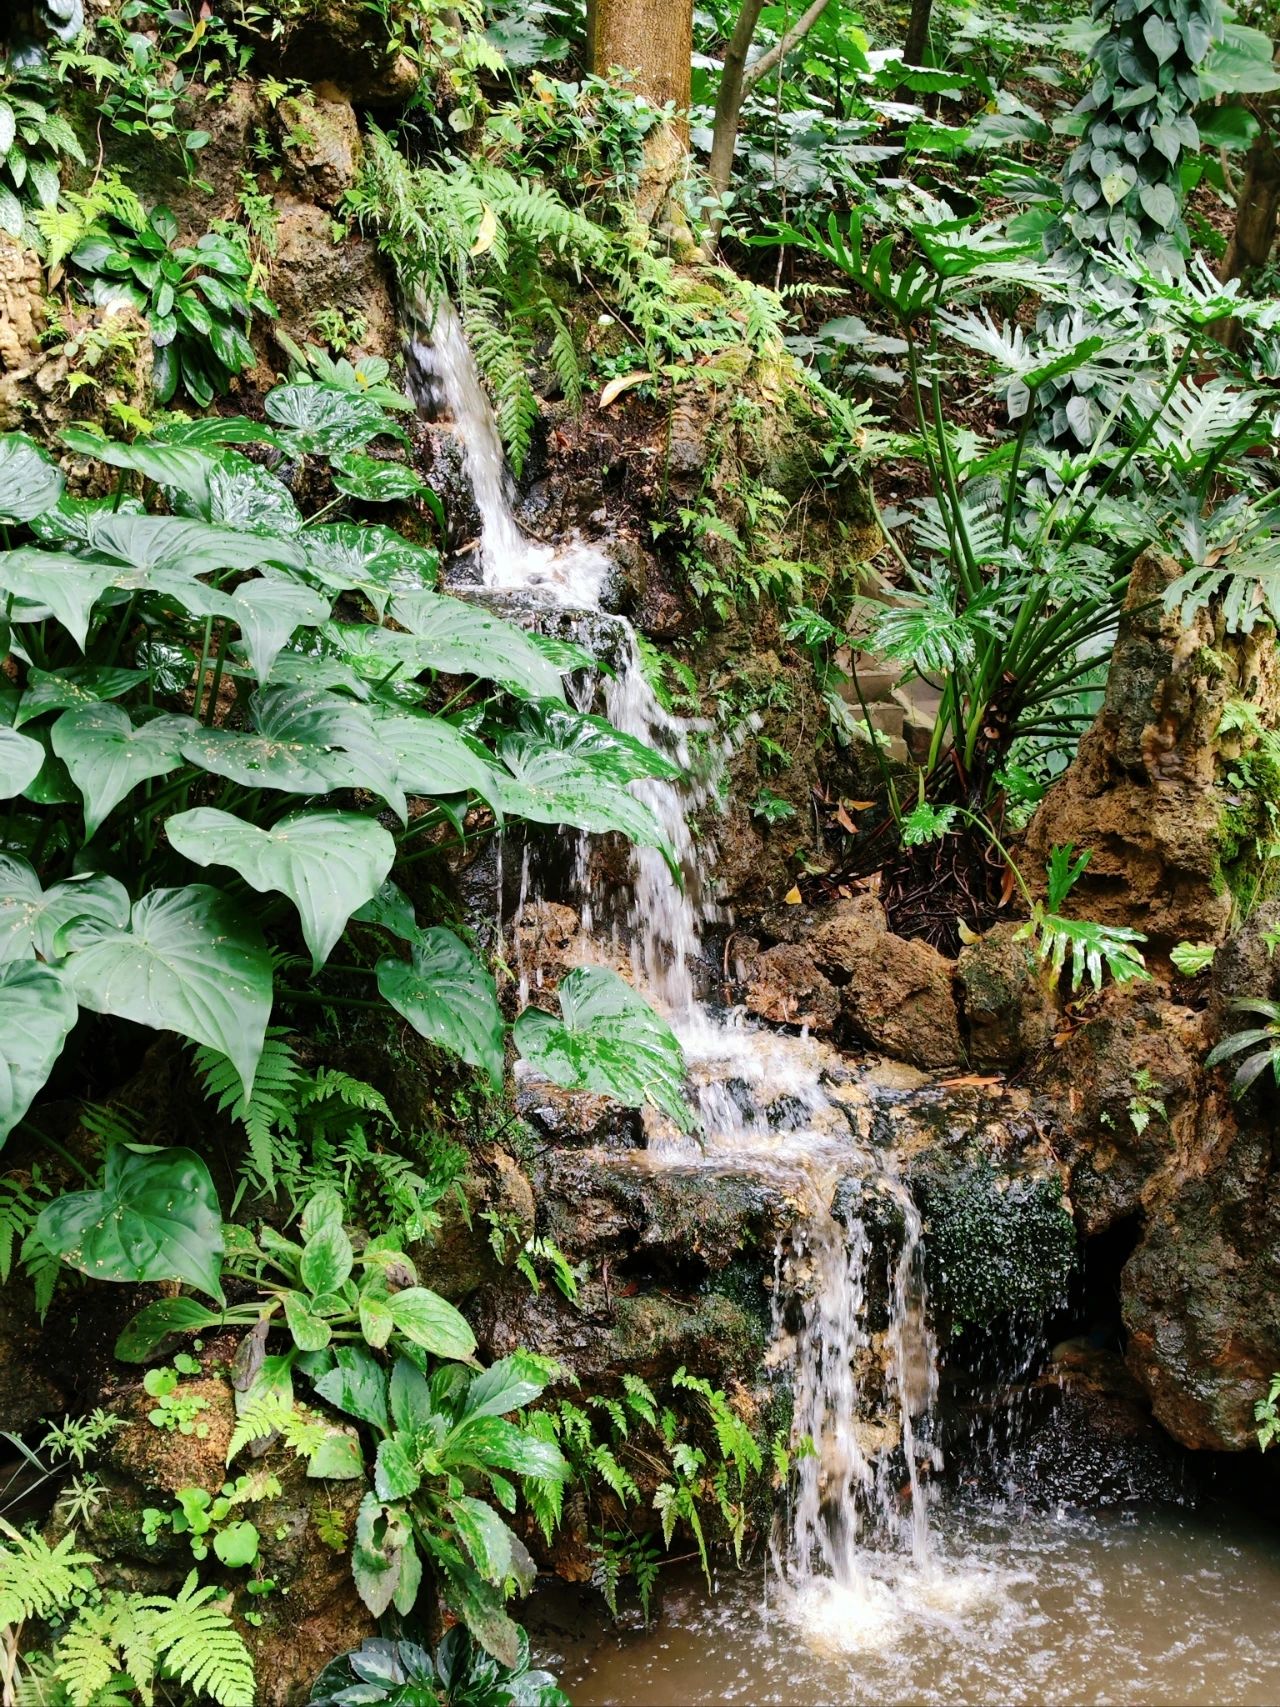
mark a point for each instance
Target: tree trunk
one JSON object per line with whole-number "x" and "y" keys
{"x": 1257, "y": 212}
{"x": 724, "y": 136}
{"x": 653, "y": 40}
{"x": 917, "y": 41}
{"x": 736, "y": 81}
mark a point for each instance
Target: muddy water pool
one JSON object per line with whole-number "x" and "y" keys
{"x": 1129, "y": 1607}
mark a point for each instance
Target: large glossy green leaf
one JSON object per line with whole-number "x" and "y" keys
{"x": 20, "y": 762}
{"x": 53, "y": 581}
{"x": 305, "y": 741}
{"x": 76, "y": 685}
{"x": 244, "y": 495}
{"x": 155, "y": 1218}
{"x": 374, "y": 481}
{"x": 30, "y": 482}
{"x": 178, "y": 545}
{"x": 327, "y": 863}
{"x": 554, "y": 787}
{"x": 268, "y": 610}
{"x": 190, "y": 962}
{"x": 619, "y": 756}
{"x": 607, "y": 1039}
{"x": 323, "y": 420}
{"x": 374, "y": 561}
{"x": 107, "y": 754}
{"x": 37, "y": 1010}
{"x": 461, "y": 639}
{"x": 31, "y": 918}
{"x": 447, "y": 996}
{"x": 182, "y": 468}
{"x": 143, "y": 1337}
{"x": 433, "y": 758}
{"x": 431, "y": 1322}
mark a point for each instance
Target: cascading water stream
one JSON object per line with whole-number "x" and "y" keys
{"x": 848, "y": 1489}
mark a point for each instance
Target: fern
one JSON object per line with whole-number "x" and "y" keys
{"x": 36, "y": 1580}
{"x": 267, "y": 1114}
{"x": 199, "y": 1645}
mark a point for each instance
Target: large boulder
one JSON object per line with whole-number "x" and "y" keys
{"x": 1148, "y": 793}
{"x": 1008, "y": 998}
{"x": 1201, "y": 1294}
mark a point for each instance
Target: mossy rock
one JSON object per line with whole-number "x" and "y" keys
{"x": 996, "y": 1245}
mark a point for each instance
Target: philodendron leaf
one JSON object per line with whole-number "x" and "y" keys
{"x": 323, "y": 420}
{"x": 459, "y": 639}
{"x": 268, "y": 610}
{"x": 448, "y": 997}
{"x": 327, "y": 863}
{"x": 553, "y": 787}
{"x": 374, "y": 561}
{"x": 51, "y": 581}
{"x": 20, "y": 762}
{"x": 190, "y": 962}
{"x": 158, "y": 545}
{"x": 31, "y": 918}
{"x": 155, "y": 1218}
{"x": 30, "y": 482}
{"x": 37, "y": 1010}
{"x": 184, "y": 468}
{"x": 608, "y": 1039}
{"x": 433, "y": 758}
{"x": 107, "y": 754}
{"x": 621, "y": 757}
{"x": 71, "y": 688}
{"x": 306, "y": 741}
{"x": 374, "y": 481}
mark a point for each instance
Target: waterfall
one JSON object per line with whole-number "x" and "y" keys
{"x": 852, "y": 1508}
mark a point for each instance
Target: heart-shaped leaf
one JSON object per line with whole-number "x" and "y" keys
{"x": 306, "y": 742}
{"x": 374, "y": 561}
{"x": 465, "y": 640}
{"x": 30, "y": 482}
{"x": 31, "y": 918}
{"x": 431, "y": 1322}
{"x": 554, "y": 787}
{"x": 608, "y": 1039}
{"x": 268, "y": 610}
{"x": 447, "y": 996}
{"x": 156, "y": 1324}
{"x": 37, "y": 1010}
{"x": 244, "y": 495}
{"x": 327, "y": 863}
{"x": 621, "y": 757}
{"x": 50, "y": 581}
{"x": 157, "y": 545}
{"x": 107, "y": 754}
{"x": 190, "y": 962}
{"x": 20, "y": 762}
{"x": 155, "y": 1218}
{"x": 71, "y": 688}
{"x": 433, "y": 758}
{"x": 374, "y": 481}
{"x": 324, "y": 420}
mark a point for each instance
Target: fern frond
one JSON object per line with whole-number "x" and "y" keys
{"x": 267, "y": 1113}
{"x": 199, "y": 1645}
{"x": 37, "y": 1580}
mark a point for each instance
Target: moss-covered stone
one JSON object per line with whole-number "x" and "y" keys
{"x": 995, "y": 1245}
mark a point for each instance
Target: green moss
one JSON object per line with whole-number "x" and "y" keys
{"x": 995, "y": 1246}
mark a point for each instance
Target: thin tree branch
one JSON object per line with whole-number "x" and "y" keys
{"x": 782, "y": 47}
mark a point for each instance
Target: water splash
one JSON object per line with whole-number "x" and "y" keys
{"x": 766, "y": 1101}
